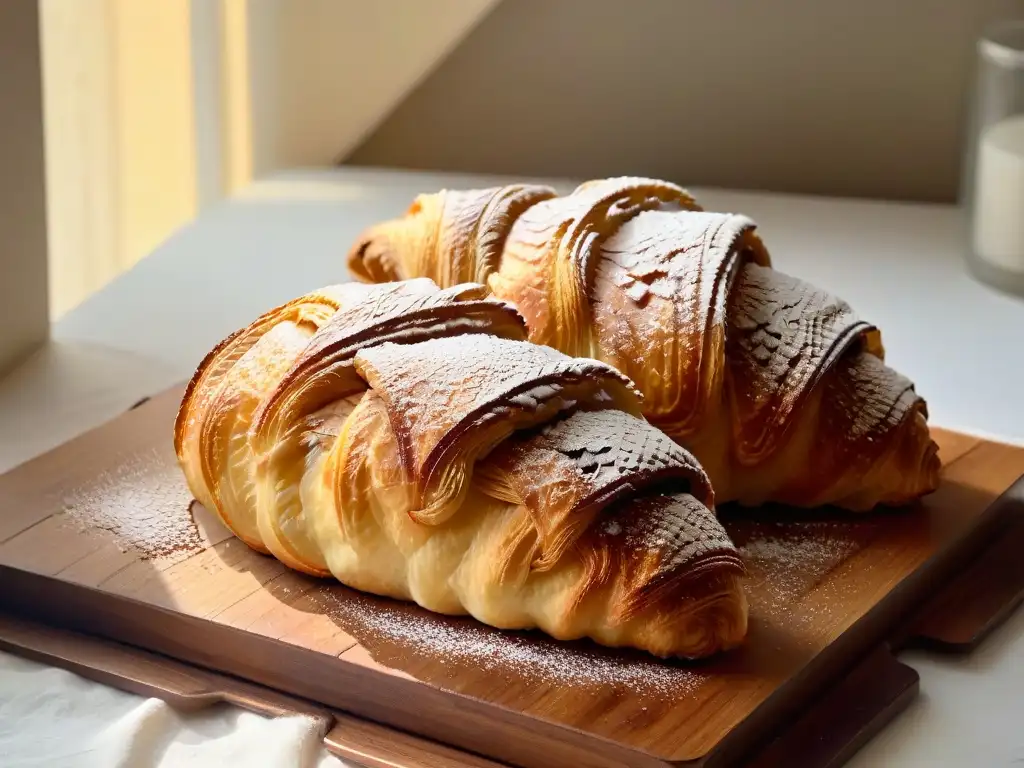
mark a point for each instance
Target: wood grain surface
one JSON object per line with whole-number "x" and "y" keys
{"x": 100, "y": 536}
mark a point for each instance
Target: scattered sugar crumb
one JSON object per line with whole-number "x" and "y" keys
{"x": 144, "y": 502}
{"x": 786, "y": 561}
{"x": 414, "y": 632}
{"x": 613, "y": 527}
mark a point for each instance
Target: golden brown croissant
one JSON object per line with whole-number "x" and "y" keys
{"x": 410, "y": 442}
{"x": 777, "y": 388}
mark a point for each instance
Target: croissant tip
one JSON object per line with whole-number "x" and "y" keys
{"x": 371, "y": 259}
{"x": 718, "y": 624}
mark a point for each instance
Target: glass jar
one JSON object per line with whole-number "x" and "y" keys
{"x": 993, "y": 179}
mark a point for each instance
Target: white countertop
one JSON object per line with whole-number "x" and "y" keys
{"x": 899, "y": 265}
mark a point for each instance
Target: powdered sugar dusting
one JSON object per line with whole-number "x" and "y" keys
{"x": 144, "y": 502}
{"x": 400, "y": 632}
{"x": 785, "y": 561}
{"x": 783, "y": 333}
{"x": 612, "y": 527}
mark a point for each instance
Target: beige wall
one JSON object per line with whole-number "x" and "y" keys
{"x": 823, "y": 96}
{"x": 322, "y": 73}
{"x": 23, "y": 291}
{"x": 158, "y": 108}
{"x": 120, "y": 143}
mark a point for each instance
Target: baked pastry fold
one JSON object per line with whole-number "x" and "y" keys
{"x": 778, "y": 388}
{"x": 410, "y": 442}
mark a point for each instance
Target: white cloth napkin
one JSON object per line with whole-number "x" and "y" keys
{"x": 55, "y": 719}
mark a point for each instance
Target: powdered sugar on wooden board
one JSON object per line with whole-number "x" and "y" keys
{"x": 144, "y": 502}
{"x": 786, "y": 560}
{"x": 413, "y": 633}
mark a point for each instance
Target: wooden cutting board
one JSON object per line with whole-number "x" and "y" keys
{"x": 101, "y": 536}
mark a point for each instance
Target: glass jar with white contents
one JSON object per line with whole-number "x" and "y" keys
{"x": 993, "y": 178}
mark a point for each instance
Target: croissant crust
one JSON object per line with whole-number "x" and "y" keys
{"x": 778, "y": 388}
{"x": 407, "y": 441}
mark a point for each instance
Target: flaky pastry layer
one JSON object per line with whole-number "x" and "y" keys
{"x": 778, "y": 388}
{"x": 409, "y": 442}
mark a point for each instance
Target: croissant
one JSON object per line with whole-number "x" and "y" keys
{"x": 778, "y": 389}
{"x": 410, "y": 442}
